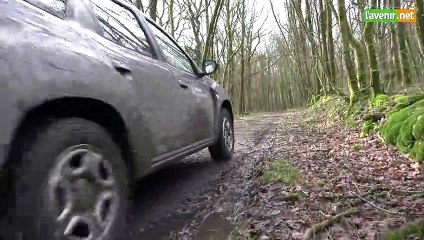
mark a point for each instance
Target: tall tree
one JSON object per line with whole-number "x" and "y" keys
{"x": 403, "y": 51}
{"x": 419, "y": 4}
{"x": 372, "y": 55}
{"x": 324, "y": 44}
{"x": 194, "y": 17}
{"x": 171, "y": 17}
{"x": 243, "y": 53}
{"x": 347, "y": 57}
{"x": 139, "y": 5}
{"x": 153, "y": 9}
{"x": 212, "y": 29}
{"x": 330, "y": 47}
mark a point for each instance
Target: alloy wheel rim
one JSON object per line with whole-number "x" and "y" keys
{"x": 82, "y": 194}
{"x": 228, "y": 133}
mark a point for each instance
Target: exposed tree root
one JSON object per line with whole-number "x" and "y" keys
{"x": 319, "y": 227}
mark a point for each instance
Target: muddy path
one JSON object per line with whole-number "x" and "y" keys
{"x": 335, "y": 172}
{"x": 171, "y": 202}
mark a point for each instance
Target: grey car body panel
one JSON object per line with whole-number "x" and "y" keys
{"x": 44, "y": 58}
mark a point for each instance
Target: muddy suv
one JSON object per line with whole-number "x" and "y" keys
{"x": 94, "y": 95}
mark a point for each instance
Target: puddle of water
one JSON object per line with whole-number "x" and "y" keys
{"x": 214, "y": 227}
{"x": 161, "y": 230}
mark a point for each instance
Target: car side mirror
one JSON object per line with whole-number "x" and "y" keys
{"x": 209, "y": 66}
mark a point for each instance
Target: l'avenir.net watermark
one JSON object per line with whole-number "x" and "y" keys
{"x": 390, "y": 15}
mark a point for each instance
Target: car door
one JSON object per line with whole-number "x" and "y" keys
{"x": 158, "y": 102}
{"x": 199, "y": 103}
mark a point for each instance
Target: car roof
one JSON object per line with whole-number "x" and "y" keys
{"x": 131, "y": 5}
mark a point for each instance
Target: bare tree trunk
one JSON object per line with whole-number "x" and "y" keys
{"x": 403, "y": 52}
{"x": 171, "y": 17}
{"x": 419, "y": 4}
{"x": 297, "y": 24}
{"x": 372, "y": 56}
{"x": 324, "y": 46}
{"x": 228, "y": 80}
{"x": 195, "y": 27}
{"x": 396, "y": 75}
{"x": 139, "y": 5}
{"x": 153, "y": 9}
{"x": 212, "y": 29}
{"x": 347, "y": 57}
{"x": 242, "y": 74}
{"x": 331, "y": 54}
{"x": 360, "y": 56}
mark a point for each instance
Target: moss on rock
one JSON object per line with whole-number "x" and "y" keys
{"x": 367, "y": 128}
{"x": 380, "y": 100}
{"x": 408, "y": 100}
{"x": 419, "y": 104}
{"x": 399, "y": 119}
{"x": 335, "y": 107}
{"x": 406, "y": 138}
{"x": 418, "y": 128}
{"x": 417, "y": 151}
{"x": 395, "y": 119}
{"x": 392, "y": 133}
{"x": 405, "y": 128}
{"x": 400, "y": 102}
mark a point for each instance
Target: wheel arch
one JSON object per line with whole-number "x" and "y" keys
{"x": 226, "y": 104}
{"x": 90, "y": 109}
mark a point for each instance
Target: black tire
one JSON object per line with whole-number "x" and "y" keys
{"x": 32, "y": 214}
{"x": 221, "y": 151}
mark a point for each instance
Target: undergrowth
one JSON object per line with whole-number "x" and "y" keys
{"x": 282, "y": 171}
{"x": 398, "y": 120}
{"x": 414, "y": 228}
{"x": 329, "y": 109}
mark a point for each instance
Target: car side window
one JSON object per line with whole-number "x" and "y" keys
{"x": 55, "y": 7}
{"x": 120, "y": 25}
{"x": 172, "y": 52}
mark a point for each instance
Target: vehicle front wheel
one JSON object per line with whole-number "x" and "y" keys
{"x": 70, "y": 182}
{"x": 223, "y": 149}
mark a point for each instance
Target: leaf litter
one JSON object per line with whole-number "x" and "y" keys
{"x": 340, "y": 172}
{"x": 347, "y": 188}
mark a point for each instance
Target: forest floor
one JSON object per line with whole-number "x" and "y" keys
{"x": 288, "y": 175}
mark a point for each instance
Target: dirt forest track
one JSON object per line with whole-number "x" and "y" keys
{"x": 170, "y": 203}
{"x": 333, "y": 172}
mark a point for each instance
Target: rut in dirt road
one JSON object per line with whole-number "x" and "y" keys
{"x": 175, "y": 199}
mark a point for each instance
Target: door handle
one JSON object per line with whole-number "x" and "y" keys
{"x": 122, "y": 69}
{"x": 183, "y": 84}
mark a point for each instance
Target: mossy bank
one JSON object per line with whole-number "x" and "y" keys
{"x": 398, "y": 119}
